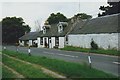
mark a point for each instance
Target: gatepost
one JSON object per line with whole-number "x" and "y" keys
{"x": 29, "y": 51}
{"x": 89, "y": 59}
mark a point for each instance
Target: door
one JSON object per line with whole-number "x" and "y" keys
{"x": 45, "y": 42}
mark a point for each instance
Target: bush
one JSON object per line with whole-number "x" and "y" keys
{"x": 94, "y": 46}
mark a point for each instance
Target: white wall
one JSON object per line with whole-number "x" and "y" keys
{"x": 53, "y": 41}
{"x": 30, "y": 43}
{"x": 50, "y": 45}
{"x": 104, "y": 41}
{"x": 21, "y": 43}
{"x": 38, "y": 43}
{"x": 35, "y": 41}
{"x": 61, "y": 42}
{"x": 119, "y": 41}
{"x": 44, "y": 41}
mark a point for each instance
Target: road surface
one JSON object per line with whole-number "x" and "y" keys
{"x": 108, "y": 64}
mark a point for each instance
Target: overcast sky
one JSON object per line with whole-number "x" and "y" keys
{"x": 40, "y": 11}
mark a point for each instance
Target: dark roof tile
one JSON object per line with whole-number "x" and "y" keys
{"x": 30, "y": 36}
{"x": 106, "y": 24}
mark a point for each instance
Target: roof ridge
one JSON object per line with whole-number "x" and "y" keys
{"x": 106, "y": 16}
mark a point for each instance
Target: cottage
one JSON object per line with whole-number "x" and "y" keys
{"x": 104, "y": 31}
{"x": 29, "y": 39}
{"x": 54, "y": 36}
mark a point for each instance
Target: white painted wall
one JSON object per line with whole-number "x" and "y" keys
{"x": 61, "y": 42}
{"x": 35, "y": 41}
{"x": 30, "y": 43}
{"x": 44, "y": 41}
{"x": 38, "y": 43}
{"x": 104, "y": 41}
{"x": 119, "y": 41}
{"x": 21, "y": 43}
{"x": 50, "y": 43}
{"x": 53, "y": 41}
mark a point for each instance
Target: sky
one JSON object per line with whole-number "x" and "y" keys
{"x": 34, "y": 10}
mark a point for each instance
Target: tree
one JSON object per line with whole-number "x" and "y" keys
{"x": 55, "y": 18}
{"x": 113, "y": 8}
{"x": 83, "y": 16}
{"x": 12, "y": 29}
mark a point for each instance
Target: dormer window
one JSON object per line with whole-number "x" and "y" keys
{"x": 44, "y": 30}
{"x": 61, "y": 26}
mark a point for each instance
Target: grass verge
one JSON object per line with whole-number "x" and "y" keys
{"x": 71, "y": 70}
{"x": 99, "y": 51}
{"x": 26, "y": 70}
{"x": 7, "y": 73}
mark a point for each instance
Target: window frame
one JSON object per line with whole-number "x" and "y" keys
{"x": 56, "y": 41}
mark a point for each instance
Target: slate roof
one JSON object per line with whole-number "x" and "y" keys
{"x": 105, "y": 24}
{"x": 30, "y": 36}
{"x": 53, "y": 31}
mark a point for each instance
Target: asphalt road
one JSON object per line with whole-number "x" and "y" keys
{"x": 105, "y": 63}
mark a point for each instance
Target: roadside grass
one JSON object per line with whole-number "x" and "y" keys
{"x": 70, "y": 70}
{"x": 26, "y": 70}
{"x": 7, "y": 73}
{"x": 99, "y": 51}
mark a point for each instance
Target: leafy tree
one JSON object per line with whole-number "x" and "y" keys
{"x": 55, "y": 18}
{"x": 83, "y": 16}
{"x": 113, "y": 8}
{"x": 12, "y": 29}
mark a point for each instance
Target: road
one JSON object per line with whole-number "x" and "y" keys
{"x": 108, "y": 64}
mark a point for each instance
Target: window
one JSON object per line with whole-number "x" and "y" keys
{"x": 57, "y": 41}
{"x": 60, "y": 28}
{"x": 66, "y": 40}
{"x": 20, "y": 41}
{"x": 41, "y": 40}
{"x": 45, "y": 42}
{"x": 49, "y": 39}
{"x": 44, "y": 30}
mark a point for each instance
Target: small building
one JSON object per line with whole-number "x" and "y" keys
{"x": 104, "y": 31}
{"x": 29, "y": 39}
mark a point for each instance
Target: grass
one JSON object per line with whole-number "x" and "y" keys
{"x": 7, "y": 73}
{"x": 99, "y": 51}
{"x": 71, "y": 70}
{"x": 26, "y": 70}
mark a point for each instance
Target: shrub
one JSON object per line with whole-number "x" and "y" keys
{"x": 94, "y": 46}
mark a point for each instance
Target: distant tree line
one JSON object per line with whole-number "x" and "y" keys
{"x": 12, "y": 29}
{"x": 112, "y": 8}
{"x": 59, "y": 17}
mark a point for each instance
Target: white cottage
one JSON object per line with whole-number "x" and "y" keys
{"x": 54, "y": 36}
{"x": 104, "y": 31}
{"x": 29, "y": 39}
